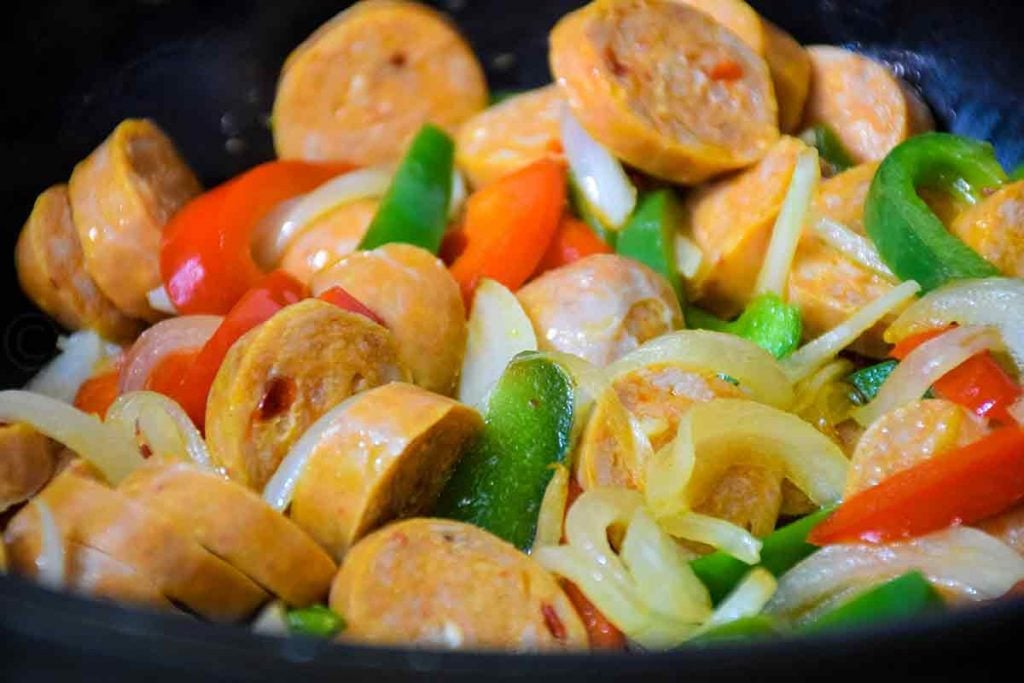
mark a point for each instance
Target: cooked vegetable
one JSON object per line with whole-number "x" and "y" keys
{"x": 905, "y": 596}
{"x": 604, "y": 190}
{"x": 649, "y": 236}
{"x": 767, "y": 321}
{"x": 97, "y": 393}
{"x": 1018, "y": 173}
{"x": 317, "y": 621}
{"x": 868, "y": 381}
{"x": 414, "y": 210}
{"x": 573, "y": 241}
{"x": 80, "y": 356}
{"x": 833, "y": 154}
{"x": 910, "y": 238}
{"x": 739, "y": 630}
{"x": 185, "y": 334}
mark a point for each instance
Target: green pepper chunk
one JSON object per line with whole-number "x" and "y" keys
{"x": 1018, "y": 173}
{"x": 910, "y": 238}
{"x": 780, "y": 551}
{"x": 906, "y": 596}
{"x": 649, "y": 236}
{"x": 580, "y": 208}
{"x": 414, "y": 210}
{"x": 869, "y": 380}
{"x": 768, "y": 321}
{"x": 742, "y": 629}
{"x": 317, "y": 621}
{"x": 830, "y": 148}
{"x": 499, "y": 96}
{"x": 498, "y": 485}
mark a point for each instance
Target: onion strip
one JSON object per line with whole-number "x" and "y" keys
{"x": 689, "y": 257}
{"x": 552, "y": 509}
{"x": 160, "y": 301}
{"x": 855, "y": 247}
{"x": 76, "y": 362}
{"x": 163, "y": 424}
{"x": 50, "y": 561}
{"x": 599, "y": 175}
{"x": 184, "y": 333}
{"x": 746, "y": 600}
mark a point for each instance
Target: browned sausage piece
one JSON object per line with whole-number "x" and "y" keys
{"x": 283, "y": 375}
{"x": 90, "y": 514}
{"x": 869, "y": 108}
{"x": 790, "y": 67}
{"x": 99, "y": 575}
{"x": 510, "y": 135}
{"x": 121, "y": 196}
{"x": 329, "y": 238}
{"x": 440, "y": 583}
{"x": 600, "y": 307}
{"x": 236, "y": 525}
{"x": 665, "y": 87}
{"x": 364, "y": 83}
{"x": 51, "y": 270}
{"x": 26, "y": 463}
{"x": 412, "y": 291}
{"x": 387, "y": 455}
{"x": 994, "y": 227}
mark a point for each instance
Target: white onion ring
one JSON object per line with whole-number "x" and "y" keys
{"x": 185, "y": 333}
{"x": 50, "y": 561}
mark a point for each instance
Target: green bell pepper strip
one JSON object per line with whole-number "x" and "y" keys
{"x": 1018, "y": 173}
{"x": 906, "y": 596}
{"x": 767, "y": 321}
{"x": 579, "y": 207}
{"x": 499, "y": 484}
{"x": 830, "y": 148}
{"x": 317, "y": 621}
{"x": 910, "y": 238}
{"x": 780, "y": 551}
{"x": 414, "y": 210}
{"x": 649, "y": 236}
{"x": 867, "y": 381}
{"x": 742, "y": 629}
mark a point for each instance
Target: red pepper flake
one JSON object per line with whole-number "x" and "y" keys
{"x": 617, "y": 67}
{"x": 726, "y": 70}
{"x": 277, "y": 398}
{"x": 555, "y": 147}
{"x": 551, "y": 620}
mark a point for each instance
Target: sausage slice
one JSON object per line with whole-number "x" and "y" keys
{"x": 361, "y": 86}
{"x": 26, "y": 463}
{"x": 511, "y": 135}
{"x": 283, "y": 375}
{"x": 236, "y": 525}
{"x": 329, "y": 238}
{"x": 994, "y": 227}
{"x": 51, "y": 270}
{"x": 600, "y": 308}
{"x": 790, "y": 67}
{"x": 441, "y": 583}
{"x": 665, "y": 87}
{"x": 870, "y": 109}
{"x": 385, "y": 456}
{"x": 121, "y": 196}
{"x": 412, "y": 291}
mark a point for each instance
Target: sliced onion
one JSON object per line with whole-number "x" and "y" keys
{"x": 746, "y": 600}
{"x": 600, "y": 177}
{"x": 185, "y": 333}
{"x": 813, "y": 355}
{"x": 458, "y": 195}
{"x": 925, "y": 365}
{"x": 996, "y": 301}
{"x": 755, "y": 369}
{"x": 50, "y": 561}
{"x": 808, "y": 390}
{"x": 689, "y": 257}
{"x": 277, "y": 231}
{"x": 279, "y": 490}
{"x": 498, "y": 329}
{"x": 589, "y": 384}
{"x": 855, "y": 247}
{"x": 79, "y": 356}
{"x": 272, "y": 620}
{"x": 789, "y": 225}
{"x": 1017, "y": 410}
{"x": 552, "y": 509}
{"x": 616, "y": 447}
{"x": 966, "y": 564}
{"x": 717, "y": 533}
{"x": 107, "y": 447}
{"x": 160, "y": 301}
{"x": 163, "y": 424}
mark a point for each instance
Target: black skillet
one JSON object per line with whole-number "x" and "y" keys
{"x": 205, "y": 70}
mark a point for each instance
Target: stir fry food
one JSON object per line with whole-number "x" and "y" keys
{"x": 711, "y": 338}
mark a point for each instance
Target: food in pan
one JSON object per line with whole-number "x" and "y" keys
{"x": 709, "y": 339}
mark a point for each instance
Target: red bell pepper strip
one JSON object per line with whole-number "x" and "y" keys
{"x": 338, "y": 296}
{"x": 508, "y": 227}
{"x": 961, "y": 486}
{"x": 979, "y": 384}
{"x": 98, "y": 392}
{"x": 573, "y": 240}
{"x": 206, "y": 261}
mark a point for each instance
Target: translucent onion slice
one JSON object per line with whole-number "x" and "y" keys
{"x": 717, "y": 533}
{"x": 601, "y": 179}
{"x": 746, "y": 600}
{"x": 279, "y": 490}
{"x": 160, "y": 301}
{"x": 163, "y": 425}
{"x": 590, "y": 383}
{"x": 813, "y": 355}
{"x": 996, "y": 301}
{"x": 965, "y": 564}
{"x": 498, "y": 329}
{"x": 855, "y": 247}
{"x": 755, "y": 369}
{"x": 789, "y": 225}
{"x": 458, "y": 196}
{"x": 272, "y": 620}
{"x": 107, "y": 447}
{"x": 808, "y": 390}
{"x": 79, "y": 356}
{"x": 50, "y": 561}
{"x": 184, "y": 333}
{"x": 552, "y": 509}
{"x": 924, "y": 365}
{"x": 689, "y": 257}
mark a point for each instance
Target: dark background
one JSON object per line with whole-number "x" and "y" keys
{"x": 205, "y": 71}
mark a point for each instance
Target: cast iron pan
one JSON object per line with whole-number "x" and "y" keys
{"x": 205, "y": 70}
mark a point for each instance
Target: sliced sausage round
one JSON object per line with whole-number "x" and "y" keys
{"x": 441, "y": 583}
{"x": 790, "y": 67}
{"x": 364, "y": 83}
{"x": 283, "y": 375}
{"x": 121, "y": 196}
{"x": 386, "y": 455}
{"x": 994, "y": 227}
{"x": 27, "y": 461}
{"x": 600, "y": 308}
{"x": 665, "y": 87}
{"x": 419, "y": 301}
{"x": 329, "y": 238}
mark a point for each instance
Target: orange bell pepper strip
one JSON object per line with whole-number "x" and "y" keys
{"x": 98, "y": 392}
{"x": 206, "y": 261}
{"x": 979, "y": 384}
{"x": 573, "y": 240}
{"x": 508, "y": 227}
{"x": 961, "y": 486}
